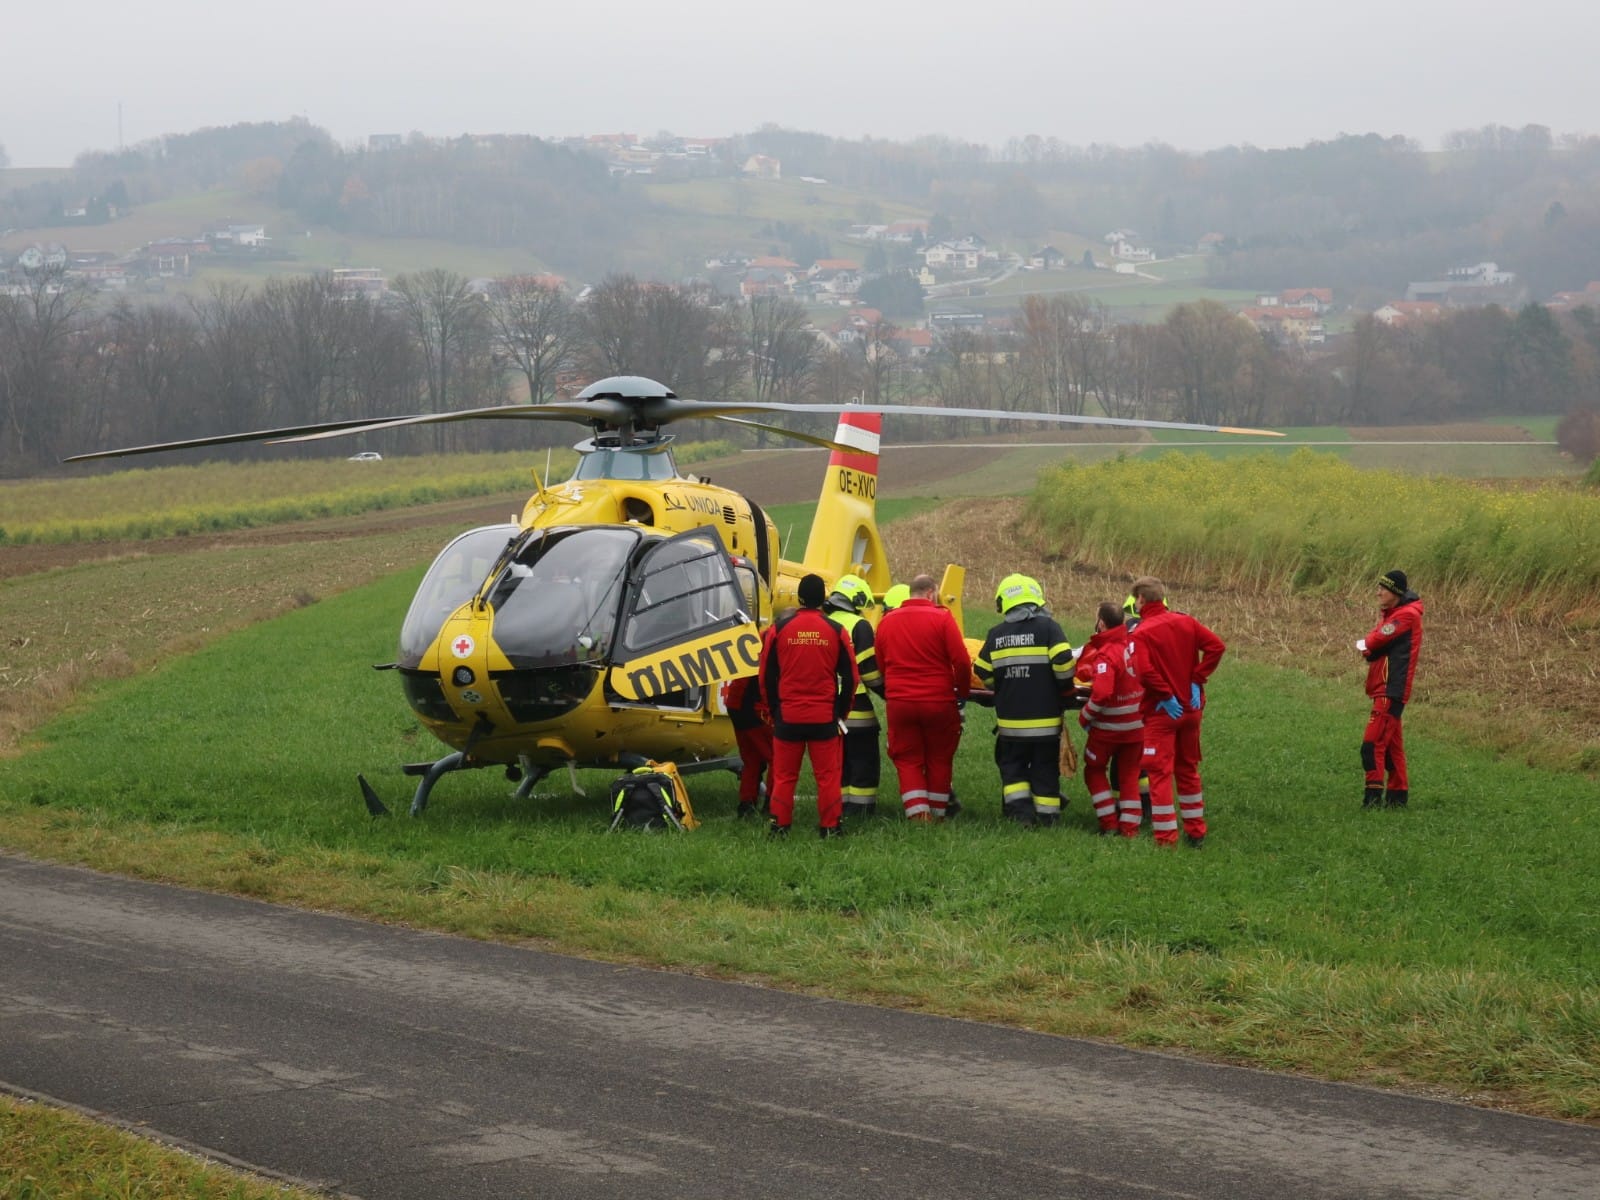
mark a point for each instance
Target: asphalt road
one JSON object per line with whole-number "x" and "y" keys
{"x": 382, "y": 1062}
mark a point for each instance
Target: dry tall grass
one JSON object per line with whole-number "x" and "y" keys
{"x": 1525, "y": 687}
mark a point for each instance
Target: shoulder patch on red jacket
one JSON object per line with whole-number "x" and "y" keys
{"x": 1386, "y": 628}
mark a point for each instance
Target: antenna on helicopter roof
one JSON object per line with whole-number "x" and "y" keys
{"x": 545, "y": 480}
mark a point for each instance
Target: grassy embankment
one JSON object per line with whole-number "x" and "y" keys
{"x": 46, "y": 1154}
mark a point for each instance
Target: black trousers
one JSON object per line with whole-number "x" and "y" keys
{"x": 1030, "y": 773}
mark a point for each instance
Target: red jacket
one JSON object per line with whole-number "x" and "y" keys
{"x": 1115, "y": 695}
{"x": 1392, "y": 650}
{"x": 922, "y": 654}
{"x": 808, "y": 675}
{"x": 1169, "y": 652}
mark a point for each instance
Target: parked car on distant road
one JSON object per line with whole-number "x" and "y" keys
{"x": 366, "y": 456}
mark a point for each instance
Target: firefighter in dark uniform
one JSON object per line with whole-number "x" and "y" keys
{"x": 1028, "y": 663}
{"x": 862, "y": 760}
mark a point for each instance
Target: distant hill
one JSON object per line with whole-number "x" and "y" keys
{"x": 1361, "y": 214}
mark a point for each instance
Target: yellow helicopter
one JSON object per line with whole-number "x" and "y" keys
{"x": 596, "y": 630}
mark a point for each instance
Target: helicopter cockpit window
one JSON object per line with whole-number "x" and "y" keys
{"x": 452, "y": 580}
{"x": 684, "y": 588}
{"x": 555, "y": 600}
{"x": 635, "y": 466}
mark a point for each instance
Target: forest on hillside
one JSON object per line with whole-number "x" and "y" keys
{"x": 1362, "y": 214}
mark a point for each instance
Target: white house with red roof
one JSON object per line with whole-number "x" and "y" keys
{"x": 1318, "y": 299}
{"x": 1400, "y": 313}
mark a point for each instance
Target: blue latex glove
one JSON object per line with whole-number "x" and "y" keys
{"x": 1194, "y": 696}
{"x": 1171, "y": 707}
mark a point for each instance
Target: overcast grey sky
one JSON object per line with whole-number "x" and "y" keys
{"x": 1193, "y": 73}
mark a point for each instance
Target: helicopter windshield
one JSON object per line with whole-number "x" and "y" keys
{"x": 453, "y": 579}
{"x": 626, "y": 464}
{"x": 555, "y": 599}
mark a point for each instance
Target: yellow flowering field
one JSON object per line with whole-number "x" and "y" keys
{"x": 1311, "y": 522}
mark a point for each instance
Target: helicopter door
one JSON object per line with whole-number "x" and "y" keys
{"x": 686, "y": 624}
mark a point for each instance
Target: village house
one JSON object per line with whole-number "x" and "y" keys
{"x": 247, "y": 236}
{"x": 1319, "y": 300}
{"x": 905, "y": 232}
{"x": 1297, "y": 324}
{"x": 911, "y": 344}
{"x": 1047, "y": 259}
{"x": 1567, "y": 301}
{"x": 1126, "y": 247}
{"x": 1400, "y": 313}
{"x": 836, "y": 277}
{"x": 762, "y": 166}
{"x": 855, "y": 327}
{"x": 358, "y": 281}
{"x": 957, "y": 254}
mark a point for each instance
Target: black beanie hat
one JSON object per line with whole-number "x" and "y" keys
{"x": 812, "y": 591}
{"x": 1395, "y": 581}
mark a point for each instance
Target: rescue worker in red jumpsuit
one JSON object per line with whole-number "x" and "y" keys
{"x": 1391, "y": 651}
{"x": 808, "y": 675}
{"x": 1116, "y": 727}
{"x": 862, "y": 760}
{"x": 1171, "y": 656}
{"x": 927, "y": 676}
{"x": 1027, "y": 661}
{"x": 752, "y": 729}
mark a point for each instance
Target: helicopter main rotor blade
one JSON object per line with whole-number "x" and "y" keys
{"x": 609, "y": 412}
{"x": 606, "y": 411}
{"x": 996, "y": 415}
{"x": 224, "y": 439}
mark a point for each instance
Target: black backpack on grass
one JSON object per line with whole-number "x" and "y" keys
{"x": 647, "y": 799}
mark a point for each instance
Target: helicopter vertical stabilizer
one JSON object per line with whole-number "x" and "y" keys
{"x": 844, "y": 533}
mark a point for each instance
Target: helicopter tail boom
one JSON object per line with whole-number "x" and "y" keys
{"x": 844, "y": 533}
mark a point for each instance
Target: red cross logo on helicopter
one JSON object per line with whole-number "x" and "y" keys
{"x": 463, "y": 646}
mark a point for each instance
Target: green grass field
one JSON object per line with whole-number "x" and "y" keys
{"x": 46, "y": 1154}
{"x": 1454, "y": 945}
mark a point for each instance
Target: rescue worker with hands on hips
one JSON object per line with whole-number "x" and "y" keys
{"x": 862, "y": 762}
{"x": 1028, "y": 663}
{"x": 1171, "y": 656}
{"x": 808, "y": 677}
{"x": 1116, "y": 727}
{"x": 927, "y": 675}
{"x": 1391, "y": 651}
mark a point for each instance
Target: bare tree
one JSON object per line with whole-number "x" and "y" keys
{"x": 781, "y": 348}
{"x": 307, "y": 341}
{"x": 157, "y": 399}
{"x": 1207, "y": 348}
{"x": 677, "y": 336}
{"x": 444, "y": 316}
{"x": 535, "y": 326}
{"x": 228, "y": 348}
{"x": 39, "y": 346}
{"x": 1132, "y": 370}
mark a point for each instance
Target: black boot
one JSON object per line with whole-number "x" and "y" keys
{"x": 1373, "y": 798}
{"x": 1396, "y": 798}
{"x": 830, "y": 831}
{"x": 774, "y": 830}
